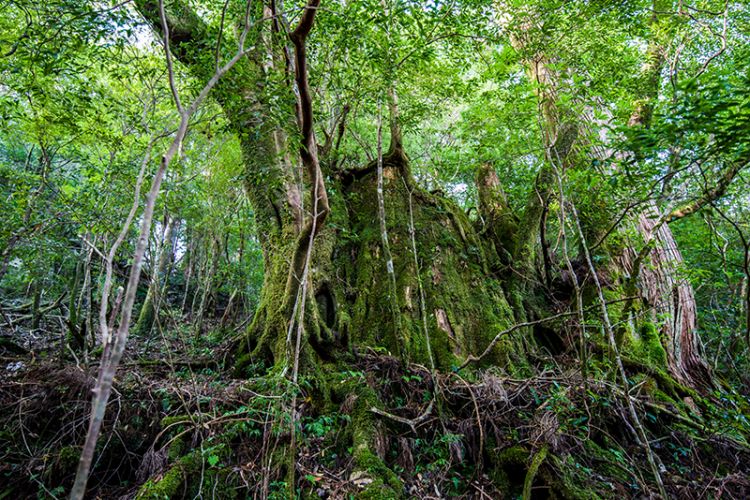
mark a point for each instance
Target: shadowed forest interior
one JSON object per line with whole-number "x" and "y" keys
{"x": 374, "y": 249}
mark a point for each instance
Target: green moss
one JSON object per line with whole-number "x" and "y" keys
{"x": 242, "y": 363}
{"x": 175, "y": 419}
{"x": 176, "y": 449}
{"x": 385, "y": 483}
{"x": 505, "y": 465}
{"x": 378, "y": 490}
{"x": 564, "y": 477}
{"x": 648, "y": 346}
{"x": 146, "y": 316}
{"x": 173, "y": 481}
{"x": 452, "y": 267}
{"x": 365, "y": 431}
{"x": 651, "y": 387}
{"x": 536, "y": 462}
{"x": 606, "y": 458}
{"x": 165, "y": 488}
{"x": 184, "y": 477}
{"x": 514, "y": 455}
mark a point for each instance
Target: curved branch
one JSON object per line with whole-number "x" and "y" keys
{"x": 709, "y": 196}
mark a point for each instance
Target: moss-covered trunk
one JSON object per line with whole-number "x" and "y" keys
{"x": 464, "y": 303}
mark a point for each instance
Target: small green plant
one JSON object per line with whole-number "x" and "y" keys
{"x": 278, "y": 490}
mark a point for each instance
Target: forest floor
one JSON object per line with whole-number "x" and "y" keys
{"x": 180, "y": 425}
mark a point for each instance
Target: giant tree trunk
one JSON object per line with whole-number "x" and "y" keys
{"x": 465, "y": 305}
{"x": 459, "y": 268}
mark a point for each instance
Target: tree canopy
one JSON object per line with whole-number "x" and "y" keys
{"x": 338, "y": 221}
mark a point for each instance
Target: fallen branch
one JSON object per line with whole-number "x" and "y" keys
{"x": 413, "y": 423}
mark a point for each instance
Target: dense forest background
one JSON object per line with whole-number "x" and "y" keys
{"x": 374, "y": 249}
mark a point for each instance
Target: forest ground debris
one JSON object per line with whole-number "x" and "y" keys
{"x": 495, "y": 434}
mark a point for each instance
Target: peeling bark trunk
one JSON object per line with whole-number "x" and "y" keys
{"x": 670, "y": 300}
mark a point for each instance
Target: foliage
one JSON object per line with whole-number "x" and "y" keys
{"x": 589, "y": 114}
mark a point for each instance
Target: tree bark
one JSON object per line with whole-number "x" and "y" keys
{"x": 348, "y": 275}
{"x": 671, "y": 299}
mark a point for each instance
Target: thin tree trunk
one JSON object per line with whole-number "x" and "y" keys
{"x": 170, "y": 266}
{"x": 74, "y": 334}
{"x": 150, "y": 307}
{"x": 199, "y": 278}
{"x": 108, "y": 367}
{"x": 35, "y": 313}
{"x": 188, "y": 272}
{"x": 84, "y": 303}
{"x": 228, "y": 311}
{"x": 207, "y": 285}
